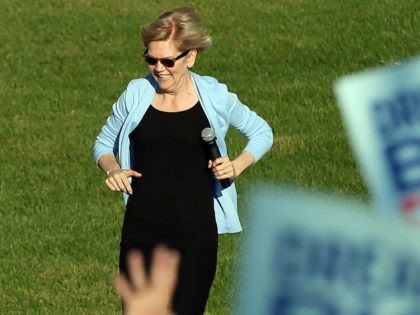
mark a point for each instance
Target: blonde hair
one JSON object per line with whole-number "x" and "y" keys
{"x": 181, "y": 25}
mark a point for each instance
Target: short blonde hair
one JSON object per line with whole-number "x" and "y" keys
{"x": 181, "y": 25}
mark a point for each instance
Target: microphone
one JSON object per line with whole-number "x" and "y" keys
{"x": 209, "y": 138}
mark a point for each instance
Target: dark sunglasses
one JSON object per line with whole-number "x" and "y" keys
{"x": 167, "y": 62}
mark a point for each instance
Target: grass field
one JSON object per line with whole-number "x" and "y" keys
{"x": 64, "y": 62}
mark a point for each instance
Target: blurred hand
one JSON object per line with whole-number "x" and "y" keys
{"x": 223, "y": 167}
{"x": 117, "y": 180}
{"x": 149, "y": 295}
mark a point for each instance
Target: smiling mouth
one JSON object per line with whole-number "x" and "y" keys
{"x": 162, "y": 76}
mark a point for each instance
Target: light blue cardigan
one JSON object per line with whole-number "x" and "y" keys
{"x": 222, "y": 109}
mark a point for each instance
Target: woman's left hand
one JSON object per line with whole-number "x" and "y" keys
{"x": 222, "y": 168}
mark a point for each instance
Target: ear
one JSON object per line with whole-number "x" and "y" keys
{"x": 191, "y": 58}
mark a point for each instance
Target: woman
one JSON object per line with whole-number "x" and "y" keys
{"x": 171, "y": 189}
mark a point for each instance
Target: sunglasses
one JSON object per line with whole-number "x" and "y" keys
{"x": 166, "y": 62}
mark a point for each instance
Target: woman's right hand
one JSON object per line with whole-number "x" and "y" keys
{"x": 117, "y": 180}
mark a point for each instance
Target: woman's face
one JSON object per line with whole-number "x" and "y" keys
{"x": 170, "y": 79}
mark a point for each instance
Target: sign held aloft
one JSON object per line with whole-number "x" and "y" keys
{"x": 381, "y": 110}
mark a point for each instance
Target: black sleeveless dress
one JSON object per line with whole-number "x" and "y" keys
{"x": 172, "y": 202}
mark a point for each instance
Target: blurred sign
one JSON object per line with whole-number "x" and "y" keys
{"x": 381, "y": 109}
{"x": 311, "y": 254}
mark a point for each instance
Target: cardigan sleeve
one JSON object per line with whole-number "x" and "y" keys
{"x": 251, "y": 125}
{"x": 230, "y": 111}
{"x": 108, "y": 138}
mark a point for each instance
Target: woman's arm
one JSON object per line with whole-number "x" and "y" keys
{"x": 106, "y": 145}
{"x": 255, "y": 129}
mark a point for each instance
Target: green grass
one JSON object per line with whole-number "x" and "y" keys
{"x": 63, "y": 63}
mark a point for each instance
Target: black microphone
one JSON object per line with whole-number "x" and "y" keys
{"x": 209, "y": 138}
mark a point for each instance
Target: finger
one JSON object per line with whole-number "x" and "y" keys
{"x": 137, "y": 270}
{"x": 225, "y": 171}
{"x": 118, "y": 181}
{"x": 223, "y": 176}
{"x": 113, "y": 184}
{"x": 126, "y": 182}
{"x": 218, "y": 161}
{"x": 164, "y": 272}
{"x": 122, "y": 181}
{"x": 123, "y": 288}
{"x": 218, "y": 169}
{"x": 221, "y": 169}
{"x": 222, "y": 162}
{"x": 127, "y": 186}
{"x": 109, "y": 184}
{"x": 121, "y": 186}
{"x": 131, "y": 173}
{"x": 217, "y": 172}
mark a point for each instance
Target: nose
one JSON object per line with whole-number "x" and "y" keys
{"x": 159, "y": 67}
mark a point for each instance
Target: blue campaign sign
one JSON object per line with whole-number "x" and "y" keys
{"x": 381, "y": 109}
{"x": 314, "y": 254}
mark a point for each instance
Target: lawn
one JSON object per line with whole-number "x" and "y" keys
{"x": 64, "y": 62}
